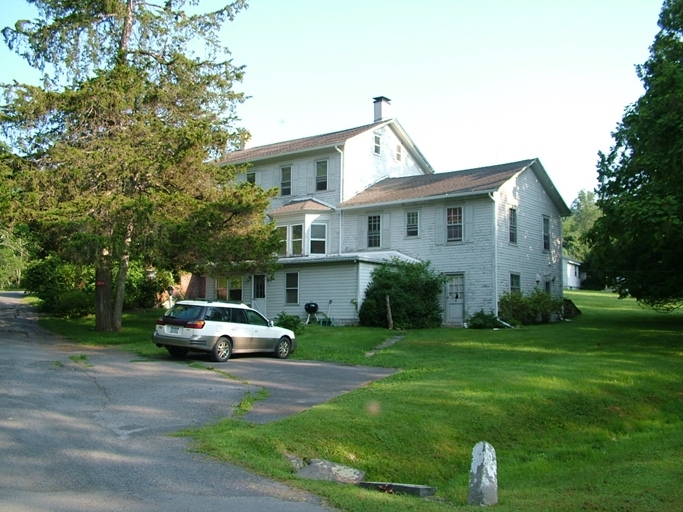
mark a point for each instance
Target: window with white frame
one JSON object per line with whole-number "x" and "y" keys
{"x": 297, "y": 240}
{"x": 374, "y": 231}
{"x": 292, "y": 288}
{"x": 286, "y": 180}
{"x": 399, "y": 152}
{"x": 251, "y": 177}
{"x": 282, "y": 231}
{"x": 378, "y": 144}
{"x": 235, "y": 288}
{"x": 454, "y": 224}
{"x": 321, "y": 175}
{"x": 546, "y": 233}
{"x": 259, "y": 286}
{"x": 515, "y": 283}
{"x": 412, "y": 224}
{"x": 512, "y": 225}
{"x": 221, "y": 288}
{"x": 318, "y": 238}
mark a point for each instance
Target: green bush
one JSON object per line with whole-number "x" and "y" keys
{"x": 413, "y": 290}
{"x": 482, "y": 320}
{"x": 75, "y": 304}
{"x": 142, "y": 291}
{"x": 537, "y": 306}
{"x": 50, "y": 277}
{"x": 291, "y": 322}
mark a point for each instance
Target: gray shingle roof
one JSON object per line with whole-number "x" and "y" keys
{"x": 482, "y": 179}
{"x": 301, "y": 205}
{"x": 296, "y": 145}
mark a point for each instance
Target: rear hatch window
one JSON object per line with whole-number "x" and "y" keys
{"x": 184, "y": 312}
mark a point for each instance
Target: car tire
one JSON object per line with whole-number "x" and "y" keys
{"x": 177, "y": 352}
{"x": 222, "y": 350}
{"x": 283, "y": 348}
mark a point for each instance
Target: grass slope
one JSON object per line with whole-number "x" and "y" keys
{"x": 584, "y": 415}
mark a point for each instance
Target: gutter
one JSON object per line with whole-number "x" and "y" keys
{"x": 489, "y": 192}
{"x": 341, "y": 194}
{"x": 495, "y": 253}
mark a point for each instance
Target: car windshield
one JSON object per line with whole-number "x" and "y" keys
{"x": 184, "y": 312}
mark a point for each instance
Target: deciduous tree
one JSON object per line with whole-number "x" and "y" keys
{"x": 118, "y": 142}
{"x": 638, "y": 241}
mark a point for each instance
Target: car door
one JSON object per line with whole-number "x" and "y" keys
{"x": 262, "y": 336}
{"x": 239, "y": 329}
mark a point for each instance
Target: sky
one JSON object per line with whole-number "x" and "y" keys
{"x": 473, "y": 82}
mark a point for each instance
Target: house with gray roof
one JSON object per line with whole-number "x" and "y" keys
{"x": 353, "y": 199}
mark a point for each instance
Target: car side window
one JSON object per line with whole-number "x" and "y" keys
{"x": 255, "y": 318}
{"x": 216, "y": 315}
{"x": 237, "y": 316}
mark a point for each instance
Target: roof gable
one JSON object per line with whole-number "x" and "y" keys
{"x": 302, "y": 205}
{"x": 481, "y": 180}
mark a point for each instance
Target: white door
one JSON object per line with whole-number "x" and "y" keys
{"x": 258, "y": 294}
{"x": 455, "y": 299}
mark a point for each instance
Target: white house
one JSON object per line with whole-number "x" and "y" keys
{"x": 571, "y": 271}
{"x": 352, "y": 199}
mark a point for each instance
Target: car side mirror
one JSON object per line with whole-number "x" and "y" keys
{"x": 270, "y": 323}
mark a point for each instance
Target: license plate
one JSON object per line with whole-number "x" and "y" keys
{"x": 174, "y": 330}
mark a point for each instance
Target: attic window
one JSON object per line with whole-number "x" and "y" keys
{"x": 378, "y": 144}
{"x": 286, "y": 180}
{"x": 399, "y": 153}
{"x": 321, "y": 175}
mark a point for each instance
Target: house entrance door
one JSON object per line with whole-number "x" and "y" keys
{"x": 455, "y": 299}
{"x": 258, "y": 294}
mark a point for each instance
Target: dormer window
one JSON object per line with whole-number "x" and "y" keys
{"x": 378, "y": 144}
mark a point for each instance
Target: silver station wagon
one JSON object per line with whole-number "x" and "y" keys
{"x": 221, "y": 329}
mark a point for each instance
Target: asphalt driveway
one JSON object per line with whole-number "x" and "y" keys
{"x": 87, "y": 429}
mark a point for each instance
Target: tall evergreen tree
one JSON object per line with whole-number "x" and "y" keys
{"x": 638, "y": 241}
{"x": 117, "y": 144}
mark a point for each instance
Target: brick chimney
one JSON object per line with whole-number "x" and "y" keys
{"x": 382, "y": 108}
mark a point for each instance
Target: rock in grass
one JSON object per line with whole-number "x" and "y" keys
{"x": 319, "y": 469}
{"x": 483, "y": 476}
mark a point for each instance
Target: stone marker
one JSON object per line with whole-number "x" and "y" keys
{"x": 483, "y": 476}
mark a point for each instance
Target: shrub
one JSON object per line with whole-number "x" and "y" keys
{"x": 142, "y": 292}
{"x": 537, "y": 306}
{"x": 291, "y": 322}
{"x": 50, "y": 277}
{"x": 481, "y": 320}
{"x": 413, "y": 289}
{"x": 75, "y": 304}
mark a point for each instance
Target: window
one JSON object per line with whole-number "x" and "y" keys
{"x": 454, "y": 224}
{"x": 547, "y": 287}
{"x": 378, "y": 144}
{"x": 318, "y": 238}
{"x": 286, "y": 180}
{"x": 546, "y": 233}
{"x": 292, "y": 288}
{"x": 282, "y": 231}
{"x": 412, "y": 220}
{"x": 515, "y": 283}
{"x": 374, "y": 234}
{"x": 255, "y": 319}
{"x": 221, "y": 288}
{"x": 259, "y": 287}
{"x": 321, "y": 175}
{"x": 512, "y": 225}
{"x": 235, "y": 288}
{"x": 297, "y": 240}
{"x": 251, "y": 177}
{"x": 399, "y": 153}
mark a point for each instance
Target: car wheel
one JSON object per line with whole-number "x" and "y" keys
{"x": 283, "y": 348}
{"x": 177, "y": 352}
{"x": 222, "y": 350}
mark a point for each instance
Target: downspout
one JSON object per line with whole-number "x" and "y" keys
{"x": 495, "y": 253}
{"x": 341, "y": 194}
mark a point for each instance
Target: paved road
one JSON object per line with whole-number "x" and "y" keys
{"x": 90, "y": 433}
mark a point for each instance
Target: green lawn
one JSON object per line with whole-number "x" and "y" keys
{"x": 584, "y": 415}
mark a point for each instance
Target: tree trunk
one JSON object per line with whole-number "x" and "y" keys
{"x": 390, "y": 320}
{"x": 103, "y": 317}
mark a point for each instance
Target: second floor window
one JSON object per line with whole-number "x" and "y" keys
{"x": 546, "y": 233}
{"x": 374, "y": 233}
{"x": 282, "y": 231}
{"x": 378, "y": 144}
{"x": 286, "y": 180}
{"x": 297, "y": 240}
{"x": 454, "y": 224}
{"x": 512, "y": 225}
{"x": 321, "y": 175}
{"x": 412, "y": 220}
{"x": 318, "y": 238}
